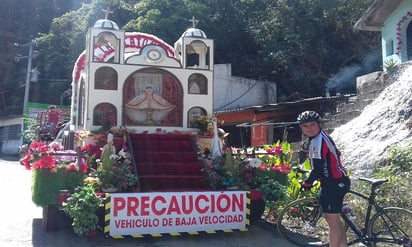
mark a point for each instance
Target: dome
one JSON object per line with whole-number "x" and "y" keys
{"x": 106, "y": 24}
{"x": 194, "y": 32}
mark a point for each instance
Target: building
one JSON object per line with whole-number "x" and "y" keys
{"x": 139, "y": 81}
{"x": 393, "y": 19}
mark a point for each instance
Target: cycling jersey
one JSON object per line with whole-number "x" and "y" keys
{"x": 325, "y": 160}
{"x": 327, "y": 167}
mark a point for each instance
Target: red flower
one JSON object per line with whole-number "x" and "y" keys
{"x": 277, "y": 150}
{"x": 71, "y": 167}
{"x": 43, "y": 149}
{"x": 276, "y": 168}
{"x": 36, "y": 145}
{"x": 26, "y": 161}
{"x": 44, "y": 162}
{"x": 262, "y": 167}
{"x": 83, "y": 167}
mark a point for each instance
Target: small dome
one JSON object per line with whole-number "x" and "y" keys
{"x": 106, "y": 24}
{"x": 194, "y": 32}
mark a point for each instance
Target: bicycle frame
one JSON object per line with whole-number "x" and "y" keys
{"x": 362, "y": 234}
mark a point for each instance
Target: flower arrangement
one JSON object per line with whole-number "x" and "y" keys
{"x": 204, "y": 124}
{"x": 81, "y": 206}
{"x": 252, "y": 168}
{"x": 52, "y": 156}
{"x": 54, "y": 169}
{"x": 118, "y": 176}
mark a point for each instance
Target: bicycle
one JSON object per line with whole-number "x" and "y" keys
{"x": 301, "y": 222}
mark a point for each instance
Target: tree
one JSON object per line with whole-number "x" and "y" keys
{"x": 302, "y": 45}
{"x": 21, "y": 21}
{"x": 306, "y": 41}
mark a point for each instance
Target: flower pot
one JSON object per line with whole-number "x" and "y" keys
{"x": 257, "y": 205}
{"x": 46, "y": 184}
{"x": 91, "y": 234}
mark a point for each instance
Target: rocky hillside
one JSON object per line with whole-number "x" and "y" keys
{"x": 383, "y": 123}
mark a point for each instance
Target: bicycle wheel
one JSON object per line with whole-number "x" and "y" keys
{"x": 391, "y": 228}
{"x": 302, "y": 222}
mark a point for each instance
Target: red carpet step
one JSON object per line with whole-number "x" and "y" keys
{"x": 168, "y": 162}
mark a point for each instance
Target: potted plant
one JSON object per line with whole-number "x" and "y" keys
{"x": 82, "y": 207}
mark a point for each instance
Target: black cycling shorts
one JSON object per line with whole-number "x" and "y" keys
{"x": 332, "y": 194}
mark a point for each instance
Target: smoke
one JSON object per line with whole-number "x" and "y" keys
{"x": 346, "y": 77}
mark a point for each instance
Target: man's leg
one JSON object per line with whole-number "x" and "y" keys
{"x": 337, "y": 234}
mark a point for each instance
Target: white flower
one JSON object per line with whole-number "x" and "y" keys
{"x": 255, "y": 162}
{"x": 113, "y": 157}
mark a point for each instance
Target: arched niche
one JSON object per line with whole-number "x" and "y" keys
{"x": 105, "y": 114}
{"x": 105, "y": 78}
{"x": 193, "y": 114}
{"x": 197, "y": 84}
{"x": 152, "y": 97}
{"x": 197, "y": 55}
{"x": 104, "y": 43}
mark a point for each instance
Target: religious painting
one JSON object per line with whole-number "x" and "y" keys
{"x": 105, "y": 78}
{"x": 105, "y": 114}
{"x": 152, "y": 97}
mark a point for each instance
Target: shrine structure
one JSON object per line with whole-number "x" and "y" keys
{"x": 151, "y": 92}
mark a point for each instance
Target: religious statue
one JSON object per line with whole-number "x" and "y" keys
{"x": 148, "y": 107}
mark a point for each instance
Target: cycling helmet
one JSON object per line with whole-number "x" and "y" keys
{"x": 308, "y": 116}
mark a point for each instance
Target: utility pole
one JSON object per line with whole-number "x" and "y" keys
{"x": 29, "y": 57}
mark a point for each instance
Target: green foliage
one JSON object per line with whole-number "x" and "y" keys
{"x": 46, "y": 185}
{"x": 81, "y": 207}
{"x": 306, "y": 42}
{"x": 294, "y": 188}
{"x": 399, "y": 173}
{"x": 298, "y": 44}
{"x": 390, "y": 65}
{"x": 30, "y": 132}
{"x": 273, "y": 190}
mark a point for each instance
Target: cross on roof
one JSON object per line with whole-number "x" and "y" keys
{"x": 194, "y": 22}
{"x": 107, "y": 12}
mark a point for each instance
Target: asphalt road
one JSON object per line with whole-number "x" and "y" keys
{"x": 21, "y": 223}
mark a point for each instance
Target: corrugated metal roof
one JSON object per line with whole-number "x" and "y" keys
{"x": 270, "y": 107}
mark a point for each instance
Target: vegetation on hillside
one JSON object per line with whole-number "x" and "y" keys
{"x": 298, "y": 44}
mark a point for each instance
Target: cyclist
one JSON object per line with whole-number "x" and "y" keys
{"x": 326, "y": 168}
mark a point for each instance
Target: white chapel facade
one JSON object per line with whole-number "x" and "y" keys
{"x": 139, "y": 81}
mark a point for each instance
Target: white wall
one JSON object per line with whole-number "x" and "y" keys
{"x": 7, "y": 145}
{"x": 231, "y": 92}
{"x": 399, "y": 18}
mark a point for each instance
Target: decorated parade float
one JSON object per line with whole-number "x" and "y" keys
{"x": 141, "y": 154}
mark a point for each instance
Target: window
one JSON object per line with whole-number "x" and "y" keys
{"x": 193, "y": 115}
{"x": 105, "y": 78}
{"x": 105, "y": 114}
{"x": 389, "y": 47}
{"x": 197, "y": 84}
{"x": 10, "y": 132}
{"x": 106, "y": 48}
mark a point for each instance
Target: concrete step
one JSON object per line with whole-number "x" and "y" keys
{"x": 353, "y": 106}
